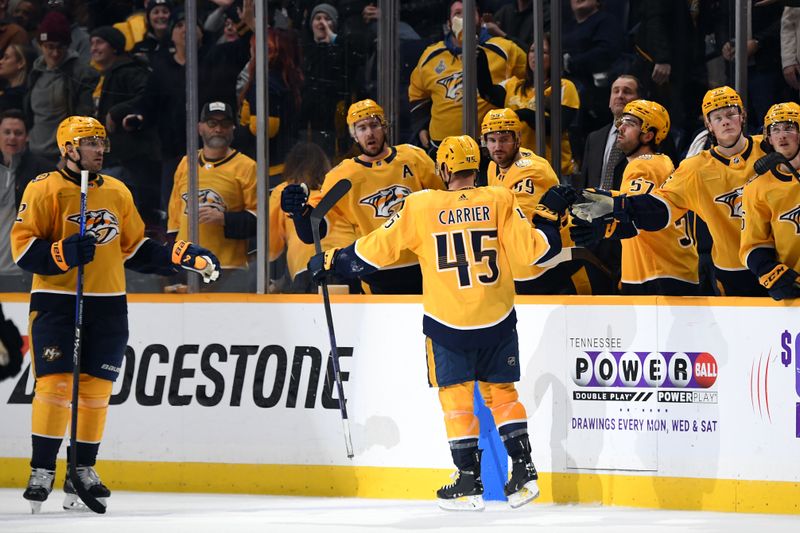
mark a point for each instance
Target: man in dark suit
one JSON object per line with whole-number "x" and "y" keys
{"x": 600, "y": 143}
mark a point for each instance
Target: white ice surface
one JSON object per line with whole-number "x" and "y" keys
{"x": 137, "y": 512}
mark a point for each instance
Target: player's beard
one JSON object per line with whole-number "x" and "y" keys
{"x": 504, "y": 159}
{"x": 375, "y": 151}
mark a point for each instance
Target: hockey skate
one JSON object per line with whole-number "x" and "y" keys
{"x": 40, "y": 484}
{"x": 465, "y": 493}
{"x": 91, "y": 481}
{"x": 522, "y": 487}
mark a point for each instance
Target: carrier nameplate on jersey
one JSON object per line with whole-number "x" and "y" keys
{"x": 523, "y": 163}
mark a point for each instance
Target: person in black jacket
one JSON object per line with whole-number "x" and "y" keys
{"x": 134, "y": 151}
{"x": 157, "y": 38}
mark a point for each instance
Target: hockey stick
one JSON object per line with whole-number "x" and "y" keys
{"x": 90, "y": 501}
{"x": 328, "y": 201}
{"x": 772, "y": 161}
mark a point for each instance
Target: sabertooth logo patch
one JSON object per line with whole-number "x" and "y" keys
{"x": 102, "y": 223}
{"x": 453, "y": 86}
{"x": 205, "y": 198}
{"x": 388, "y": 201}
{"x": 51, "y": 353}
{"x": 733, "y": 200}
{"x": 794, "y": 217}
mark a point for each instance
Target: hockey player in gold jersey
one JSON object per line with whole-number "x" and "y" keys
{"x": 468, "y": 240}
{"x": 45, "y": 240}
{"x": 710, "y": 184}
{"x": 771, "y": 203}
{"x": 435, "y": 90}
{"x": 661, "y": 262}
{"x": 383, "y": 176}
{"x": 528, "y": 176}
{"x": 227, "y": 197}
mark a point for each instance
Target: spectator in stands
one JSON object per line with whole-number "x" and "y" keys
{"x": 666, "y": 49}
{"x": 764, "y": 84}
{"x": 15, "y": 65}
{"x": 17, "y": 167}
{"x": 306, "y": 163}
{"x": 514, "y": 21}
{"x": 769, "y": 245}
{"x": 10, "y": 32}
{"x": 60, "y": 85}
{"x": 227, "y": 197}
{"x": 519, "y": 94}
{"x": 591, "y": 43}
{"x": 75, "y": 13}
{"x": 134, "y": 158}
{"x": 329, "y": 65}
{"x": 435, "y": 92}
{"x": 790, "y": 44}
{"x": 157, "y": 15}
{"x": 600, "y": 167}
{"x": 285, "y": 85}
{"x": 27, "y": 14}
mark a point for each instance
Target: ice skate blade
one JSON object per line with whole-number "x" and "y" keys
{"x": 36, "y": 507}
{"x": 73, "y": 503}
{"x": 465, "y": 503}
{"x": 528, "y": 493}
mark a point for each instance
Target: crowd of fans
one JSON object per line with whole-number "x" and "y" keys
{"x": 123, "y": 62}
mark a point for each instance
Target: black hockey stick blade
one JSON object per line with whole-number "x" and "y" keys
{"x": 335, "y": 194}
{"x": 86, "y": 497}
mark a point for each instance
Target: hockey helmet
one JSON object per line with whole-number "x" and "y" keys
{"x": 458, "y": 153}
{"x": 782, "y": 112}
{"x": 72, "y": 129}
{"x": 501, "y": 120}
{"x": 364, "y": 109}
{"x": 653, "y": 116}
{"x": 721, "y": 97}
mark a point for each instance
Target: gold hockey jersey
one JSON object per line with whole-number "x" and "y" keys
{"x": 227, "y": 185}
{"x": 380, "y": 188}
{"x": 711, "y": 185}
{"x": 438, "y": 77}
{"x": 771, "y": 204}
{"x": 528, "y": 178}
{"x": 519, "y": 98}
{"x": 467, "y": 242}
{"x": 50, "y": 210}
{"x": 669, "y": 253}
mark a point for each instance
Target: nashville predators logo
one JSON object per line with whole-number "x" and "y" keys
{"x": 207, "y": 198}
{"x": 101, "y": 223}
{"x": 51, "y": 353}
{"x": 388, "y": 201}
{"x": 733, "y": 200}
{"x": 453, "y": 85}
{"x": 794, "y": 217}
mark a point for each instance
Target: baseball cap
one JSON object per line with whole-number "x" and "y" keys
{"x": 213, "y": 108}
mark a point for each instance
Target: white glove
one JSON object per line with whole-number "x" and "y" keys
{"x": 596, "y": 206}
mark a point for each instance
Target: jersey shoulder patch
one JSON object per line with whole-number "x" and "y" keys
{"x": 523, "y": 163}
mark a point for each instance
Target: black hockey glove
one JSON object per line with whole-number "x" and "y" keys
{"x": 781, "y": 282}
{"x": 555, "y": 202}
{"x": 321, "y": 265}
{"x": 73, "y": 251}
{"x": 294, "y": 198}
{"x": 588, "y": 234}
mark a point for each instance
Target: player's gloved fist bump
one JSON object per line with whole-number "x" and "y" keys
{"x": 587, "y": 234}
{"x": 598, "y": 203}
{"x": 321, "y": 265}
{"x": 294, "y": 198}
{"x": 555, "y": 202}
{"x": 781, "y": 282}
{"x": 73, "y": 251}
{"x": 197, "y": 259}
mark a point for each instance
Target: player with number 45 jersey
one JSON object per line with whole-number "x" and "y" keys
{"x": 467, "y": 240}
